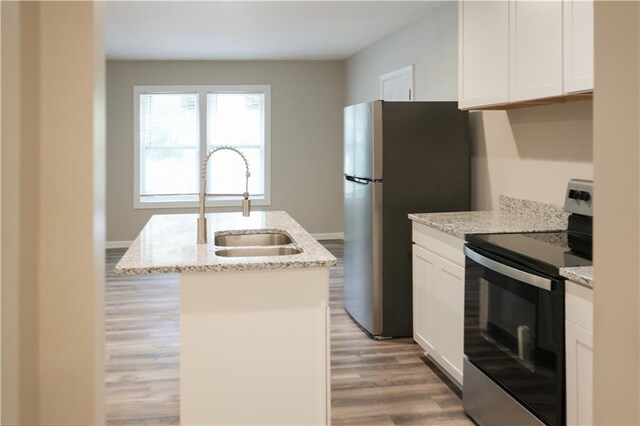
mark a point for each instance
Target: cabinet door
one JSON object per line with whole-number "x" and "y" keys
{"x": 578, "y": 45}
{"x": 451, "y": 280}
{"x": 483, "y": 51}
{"x": 535, "y": 52}
{"x": 327, "y": 364}
{"x": 425, "y": 299}
{"x": 579, "y": 353}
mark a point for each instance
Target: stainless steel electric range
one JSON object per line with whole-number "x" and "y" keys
{"x": 514, "y": 318}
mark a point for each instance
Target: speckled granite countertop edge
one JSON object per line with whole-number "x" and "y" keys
{"x": 167, "y": 245}
{"x": 513, "y": 215}
{"x": 582, "y": 275}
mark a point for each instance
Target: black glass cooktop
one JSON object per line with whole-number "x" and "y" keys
{"x": 545, "y": 252}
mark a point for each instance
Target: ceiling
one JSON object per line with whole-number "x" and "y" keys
{"x": 252, "y": 30}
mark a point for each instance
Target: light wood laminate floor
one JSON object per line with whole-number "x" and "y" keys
{"x": 373, "y": 382}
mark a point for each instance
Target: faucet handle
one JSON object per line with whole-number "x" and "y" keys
{"x": 246, "y": 204}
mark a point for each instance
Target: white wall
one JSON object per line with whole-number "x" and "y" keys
{"x": 306, "y": 136}
{"x": 430, "y": 43}
{"x": 528, "y": 153}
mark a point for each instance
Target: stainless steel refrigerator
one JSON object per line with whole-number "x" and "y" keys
{"x": 399, "y": 158}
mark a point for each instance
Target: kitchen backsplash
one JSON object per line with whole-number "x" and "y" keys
{"x": 550, "y": 212}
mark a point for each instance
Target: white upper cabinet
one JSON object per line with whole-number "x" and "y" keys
{"x": 578, "y": 45}
{"x": 535, "y": 51}
{"x": 523, "y": 50}
{"x": 483, "y": 77}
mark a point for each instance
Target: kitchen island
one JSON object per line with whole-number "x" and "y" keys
{"x": 254, "y": 326}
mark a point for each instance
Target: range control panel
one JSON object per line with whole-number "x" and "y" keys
{"x": 579, "y": 197}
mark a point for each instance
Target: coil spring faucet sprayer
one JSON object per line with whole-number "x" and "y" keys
{"x": 246, "y": 203}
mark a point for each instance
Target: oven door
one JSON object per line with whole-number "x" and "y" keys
{"x": 514, "y": 331}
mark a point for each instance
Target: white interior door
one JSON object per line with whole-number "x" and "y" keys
{"x": 397, "y": 85}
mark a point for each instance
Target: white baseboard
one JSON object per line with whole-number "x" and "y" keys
{"x": 329, "y": 236}
{"x": 117, "y": 244}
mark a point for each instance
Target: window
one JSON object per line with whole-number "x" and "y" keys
{"x": 175, "y": 128}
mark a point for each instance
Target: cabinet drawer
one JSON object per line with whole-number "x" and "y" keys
{"x": 439, "y": 243}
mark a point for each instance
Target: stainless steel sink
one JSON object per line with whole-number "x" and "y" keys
{"x": 258, "y": 251}
{"x": 258, "y": 239}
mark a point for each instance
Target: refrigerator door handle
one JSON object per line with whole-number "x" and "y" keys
{"x": 361, "y": 181}
{"x": 354, "y": 179}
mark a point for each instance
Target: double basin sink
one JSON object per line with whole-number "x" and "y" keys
{"x": 255, "y": 244}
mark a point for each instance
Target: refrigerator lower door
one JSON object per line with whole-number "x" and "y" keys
{"x": 363, "y": 254}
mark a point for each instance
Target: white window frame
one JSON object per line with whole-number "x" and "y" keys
{"x": 202, "y": 91}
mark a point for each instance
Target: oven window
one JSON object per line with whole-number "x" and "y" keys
{"x": 514, "y": 334}
{"x": 508, "y": 322}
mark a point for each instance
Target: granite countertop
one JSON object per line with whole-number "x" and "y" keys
{"x": 460, "y": 224}
{"x": 167, "y": 244}
{"x": 580, "y": 274}
{"x": 513, "y": 215}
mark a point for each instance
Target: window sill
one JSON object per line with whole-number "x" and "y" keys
{"x": 192, "y": 204}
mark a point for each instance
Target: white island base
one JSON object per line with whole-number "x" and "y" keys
{"x": 254, "y": 347}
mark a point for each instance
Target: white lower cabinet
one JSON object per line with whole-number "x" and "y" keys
{"x": 425, "y": 298}
{"x": 579, "y": 354}
{"x": 438, "y": 297}
{"x": 236, "y": 331}
{"x": 452, "y": 317}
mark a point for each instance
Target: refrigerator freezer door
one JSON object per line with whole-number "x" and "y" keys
{"x": 363, "y": 254}
{"x": 363, "y": 140}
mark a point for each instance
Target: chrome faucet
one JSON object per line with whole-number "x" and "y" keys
{"x": 246, "y": 203}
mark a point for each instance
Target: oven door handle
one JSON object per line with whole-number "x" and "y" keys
{"x": 516, "y": 274}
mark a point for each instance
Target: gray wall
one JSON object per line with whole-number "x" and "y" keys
{"x": 430, "y": 43}
{"x": 527, "y": 153}
{"x": 306, "y": 135}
